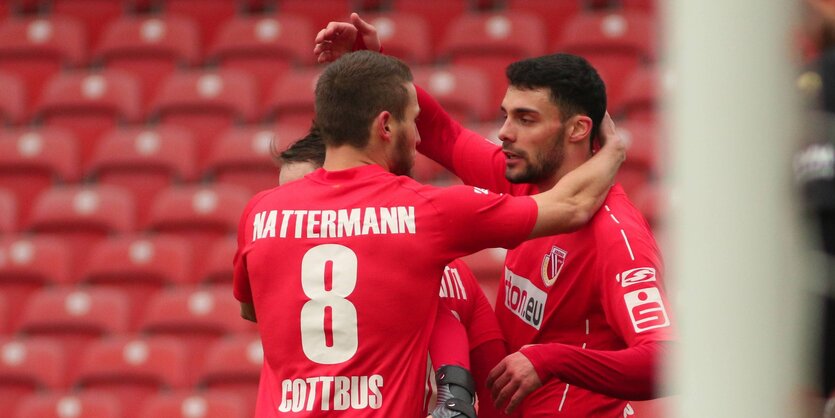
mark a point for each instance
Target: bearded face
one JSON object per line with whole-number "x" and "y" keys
{"x": 534, "y": 165}
{"x": 403, "y": 159}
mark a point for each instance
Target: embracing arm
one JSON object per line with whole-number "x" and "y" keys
{"x": 630, "y": 374}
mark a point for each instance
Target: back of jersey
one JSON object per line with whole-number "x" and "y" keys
{"x": 343, "y": 268}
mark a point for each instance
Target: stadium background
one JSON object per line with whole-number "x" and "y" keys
{"x": 134, "y": 132}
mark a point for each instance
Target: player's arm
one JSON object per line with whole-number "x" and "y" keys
{"x": 572, "y": 202}
{"x": 449, "y": 352}
{"x": 465, "y": 153}
{"x": 625, "y": 374}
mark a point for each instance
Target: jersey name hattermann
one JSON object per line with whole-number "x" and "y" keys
{"x": 524, "y": 299}
{"x": 334, "y": 223}
{"x": 338, "y": 393}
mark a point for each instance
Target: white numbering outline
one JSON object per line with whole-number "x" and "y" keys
{"x": 343, "y": 312}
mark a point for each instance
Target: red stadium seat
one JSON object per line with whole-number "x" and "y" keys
{"x": 233, "y": 365}
{"x": 199, "y": 213}
{"x": 217, "y": 270}
{"x": 641, "y": 164}
{"x": 34, "y": 49}
{"x": 192, "y": 404}
{"x": 149, "y": 48}
{"x": 144, "y": 160}
{"x": 206, "y": 103}
{"x": 8, "y": 212}
{"x": 27, "y": 366}
{"x": 66, "y": 405}
{"x": 318, "y": 12}
{"x": 291, "y": 99}
{"x": 5, "y": 315}
{"x": 28, "y": 264}
{"x": 73, "y": 318}
{"x": 438, "y": 14}
{"x": 208, "y": 14}
{"x": 132, "y": 370}
{"x": 32, "y": 160}
{"x": 648, "y": 6}
{"x": 93, "y": 14}
{"x": 265, "y": 47}
{"x": 491, "y": 42}
{"x": 554, "y": 13}
{"x": 139, "y": 266}
{"x": 403, "y": 35}
{"x": 650, "y": 200}
{"x": 640, "y": 96}
{"x": 13, "y": 101}
{"x": 615, "y": 43}
{"x": 82, "y": 215}
{"x": 463, "y": 91}
{"x": 242, "y": 157}
{"x": 197, "y": 317}
{"x": 89, "y": 103}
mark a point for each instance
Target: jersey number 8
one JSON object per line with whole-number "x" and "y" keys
{"x": 343, "y": 313}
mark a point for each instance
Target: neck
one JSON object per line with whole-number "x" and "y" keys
{"x": 345, "y": 157}
{"x": 570, "y": 161}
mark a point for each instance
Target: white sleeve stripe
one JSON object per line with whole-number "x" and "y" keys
{"x": 564, "y": 395}
{"x": 628, "y": 247}
{"x": 614, "y": 219}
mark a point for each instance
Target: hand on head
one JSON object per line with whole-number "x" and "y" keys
{"x": 609, "y": 137}
{"x": 340, "y": 38}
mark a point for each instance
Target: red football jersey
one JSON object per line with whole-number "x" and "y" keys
{"x": 344, "y": 268}
{"x": 598, "y": 288}
{"x": 462, "y": 294}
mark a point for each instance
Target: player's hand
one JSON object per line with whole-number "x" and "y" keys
{"x": 340, "y": 38}
{"x": 609, "y": 137}
{"x": 511, "y": 381}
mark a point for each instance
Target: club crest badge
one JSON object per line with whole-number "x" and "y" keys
{"x": 552, "y": 264}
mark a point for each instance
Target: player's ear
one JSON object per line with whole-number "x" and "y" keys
{"x": 578, "y": 128}
{"x": 382, "y": 125}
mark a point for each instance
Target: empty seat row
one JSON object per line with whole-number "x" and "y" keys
{"x": 131, "y": 369}
{"x": 95, "y": 404}
{"x": 268, "y": 46}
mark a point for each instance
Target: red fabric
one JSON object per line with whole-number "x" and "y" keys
{"x": 448, "y": 343}
{"x": 599, "y": 288}
{"x": 483, "y": 359}
{"x": 625, "y": 374}
{"x": 327, "y": 304}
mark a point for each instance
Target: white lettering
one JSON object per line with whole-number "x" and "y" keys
{"x": 286, "y": 403}
{"x": 388, "y": 220}
{"x": 258, "y": 226}
{"x": 342, "y": 393}
{"x": 285, "y": 215}
{"x": 334, "y": 223}
{"x": 299, "y": 220}
{"x": 369, "y": 222}
{"x": 269, "y": 228}
{"x": 406, "y": 215}
{"x": 349, "y": 224}
{"x": 328, "y": 224}
{"x": 524, "y": 299}
{"x": 354, "y": 392}
{"x": 312, "y": 222}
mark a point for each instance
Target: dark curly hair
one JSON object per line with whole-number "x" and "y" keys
{"x": 575, "y": 86}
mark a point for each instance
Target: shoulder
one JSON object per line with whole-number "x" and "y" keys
{"x": 257, "y": 199}
{"x": 618, "y": 220}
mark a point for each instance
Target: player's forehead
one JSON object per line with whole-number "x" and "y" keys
{"x": 535, "y": 100}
